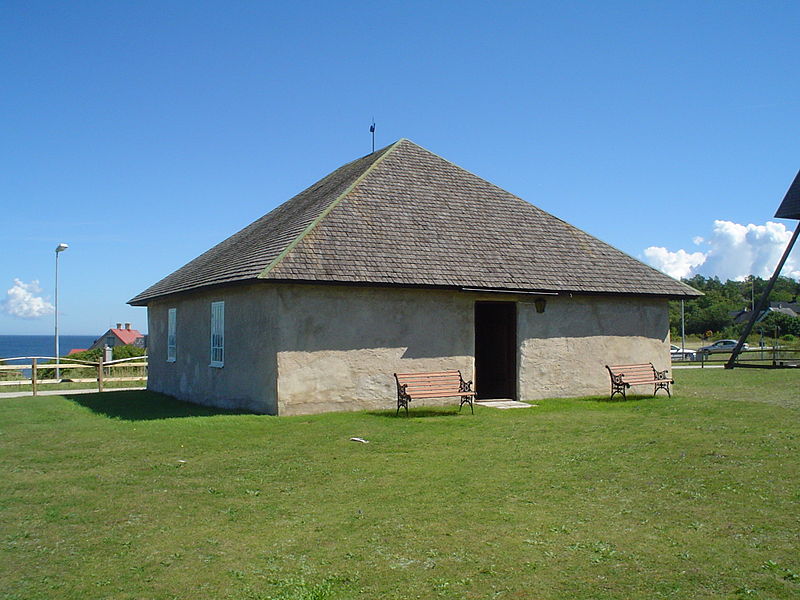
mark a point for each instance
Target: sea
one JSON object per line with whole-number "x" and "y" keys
{"x": 41, "y": 345}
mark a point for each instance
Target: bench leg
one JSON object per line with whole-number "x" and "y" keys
{"x": 402, "y": 402}
{"x": 618, "y": 388}
{"x": 464, "y": 400}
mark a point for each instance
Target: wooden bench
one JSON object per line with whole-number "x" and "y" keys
{"x": 439, "y": 384}
{"x": 624, "y": 376}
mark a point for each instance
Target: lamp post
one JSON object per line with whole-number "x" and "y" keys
{"x": 59, "y": 249}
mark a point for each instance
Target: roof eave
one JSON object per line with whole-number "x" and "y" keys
{"x": 689, "y": 294}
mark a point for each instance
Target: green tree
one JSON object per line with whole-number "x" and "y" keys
{"x": 786, "y": 324}
{"x": 715, "y": 310}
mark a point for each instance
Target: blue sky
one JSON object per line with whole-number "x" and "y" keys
{"x": 143, "y": 133}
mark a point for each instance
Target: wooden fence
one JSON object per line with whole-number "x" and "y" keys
{"x": 132, "y": 369}
{"x": 768, "y": 356}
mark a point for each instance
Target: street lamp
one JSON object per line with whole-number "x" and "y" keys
{"x": 59, "y": 249}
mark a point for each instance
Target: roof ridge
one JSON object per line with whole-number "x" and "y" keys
{"x": 572, "y": 227}
{"x": 335, "y": 202}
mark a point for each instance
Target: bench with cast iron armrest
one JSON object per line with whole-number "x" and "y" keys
{"x": 439, "y": 384}
{"x": 624, "y": 376}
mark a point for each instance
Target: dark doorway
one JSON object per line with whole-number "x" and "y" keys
{"x": 496, "y": 349}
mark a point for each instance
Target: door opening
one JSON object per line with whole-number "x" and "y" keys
{"x": 496, "y": 350}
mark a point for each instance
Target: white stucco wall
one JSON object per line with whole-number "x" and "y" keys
{"x": 248, "y": 378}
{"x": 563, "y": 352}
{"x": 301, "y": 349}
{"x": 340, "y": 346}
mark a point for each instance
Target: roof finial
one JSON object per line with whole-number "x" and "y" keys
{"x": 372, "y": 131}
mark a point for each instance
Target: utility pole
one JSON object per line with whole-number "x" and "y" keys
{"x": 683, "y": 331}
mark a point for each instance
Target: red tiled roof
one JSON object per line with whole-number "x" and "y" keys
{"x": 76, "y": 350}
{"x": 127, "y": 336}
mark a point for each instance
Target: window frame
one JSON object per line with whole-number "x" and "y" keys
{"x": 172, "y": 336}
{"x": 217, "y": 334}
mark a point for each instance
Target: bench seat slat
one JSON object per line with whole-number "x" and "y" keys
{"x": 450, "y": 391}
{"x": 453, "y": 391}
{"x": 431, "y": 374}
{"x": 426, "y": 388}
{"x": 438, "y": 380}
{"x": 441, "y": 394}
{"x": 427, "y": 384}
{"x": 435, "y": 383}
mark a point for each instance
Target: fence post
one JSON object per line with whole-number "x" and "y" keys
{"x": 100, "y": 374}
{"x": 33, "y": 375}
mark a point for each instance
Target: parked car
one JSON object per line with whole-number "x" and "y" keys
{"x": 720, "y": 346}
{"x": 678, "y": 354}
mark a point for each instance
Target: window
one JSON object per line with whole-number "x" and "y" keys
{"x": 217, "y": 334}
{"x": 110, "y": 341}
{"x": 172, "y": 314}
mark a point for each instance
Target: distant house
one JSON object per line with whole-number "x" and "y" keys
{"x": 787, "y": 308}
{"x": 119, "y": 336}
{"x": 743, "y": 316}
{"x": 401, "y": 261}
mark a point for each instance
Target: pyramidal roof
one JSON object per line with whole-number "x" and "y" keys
{"x": 790, "y": 207}
{"x": 405, "y": 216}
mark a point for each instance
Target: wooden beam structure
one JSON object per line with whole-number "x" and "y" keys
{"x": 789, "y": 209}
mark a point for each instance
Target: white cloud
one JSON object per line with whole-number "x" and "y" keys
{"x": 734, "y": 252}
{"x": 675, "y": 264}
{"x": 741, "y": 250}
{"x": 22, "y": 301}
{"x": 698, "y": 239}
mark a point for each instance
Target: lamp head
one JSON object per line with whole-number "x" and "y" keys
{"x": 61, "y": 247}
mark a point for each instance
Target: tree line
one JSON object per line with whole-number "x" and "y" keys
{"x": 714, "y": 311}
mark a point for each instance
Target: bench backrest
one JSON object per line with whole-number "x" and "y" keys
{"x": 430, "y": 385}
{"x": 633, "y": 373}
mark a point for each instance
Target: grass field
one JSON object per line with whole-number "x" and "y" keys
{"x": 131, "y": 495}
{"x": 66, "y": 386}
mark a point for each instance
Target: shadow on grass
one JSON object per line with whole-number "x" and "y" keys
{"x": 620, "y": 399}
{"x": 417, "y": 412}
{"x": 140, "y": 405}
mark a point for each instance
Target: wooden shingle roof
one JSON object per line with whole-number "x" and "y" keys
{"x": 404, "y": 216}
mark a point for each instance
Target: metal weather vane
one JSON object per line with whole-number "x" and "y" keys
{"x": 372, "y": 131}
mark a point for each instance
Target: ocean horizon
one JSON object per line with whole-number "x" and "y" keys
{"x": 42, "y": 345}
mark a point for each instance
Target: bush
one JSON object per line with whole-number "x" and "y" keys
{"x": 118, "y": 352}
{"x": 129, "y": 351}
{"x": 9, "y": 375}
{"x": 86, "y": 355}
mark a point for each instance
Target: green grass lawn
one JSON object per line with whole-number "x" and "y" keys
{"x": 66, "y": 386}
{"x": 132, "y": 495}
